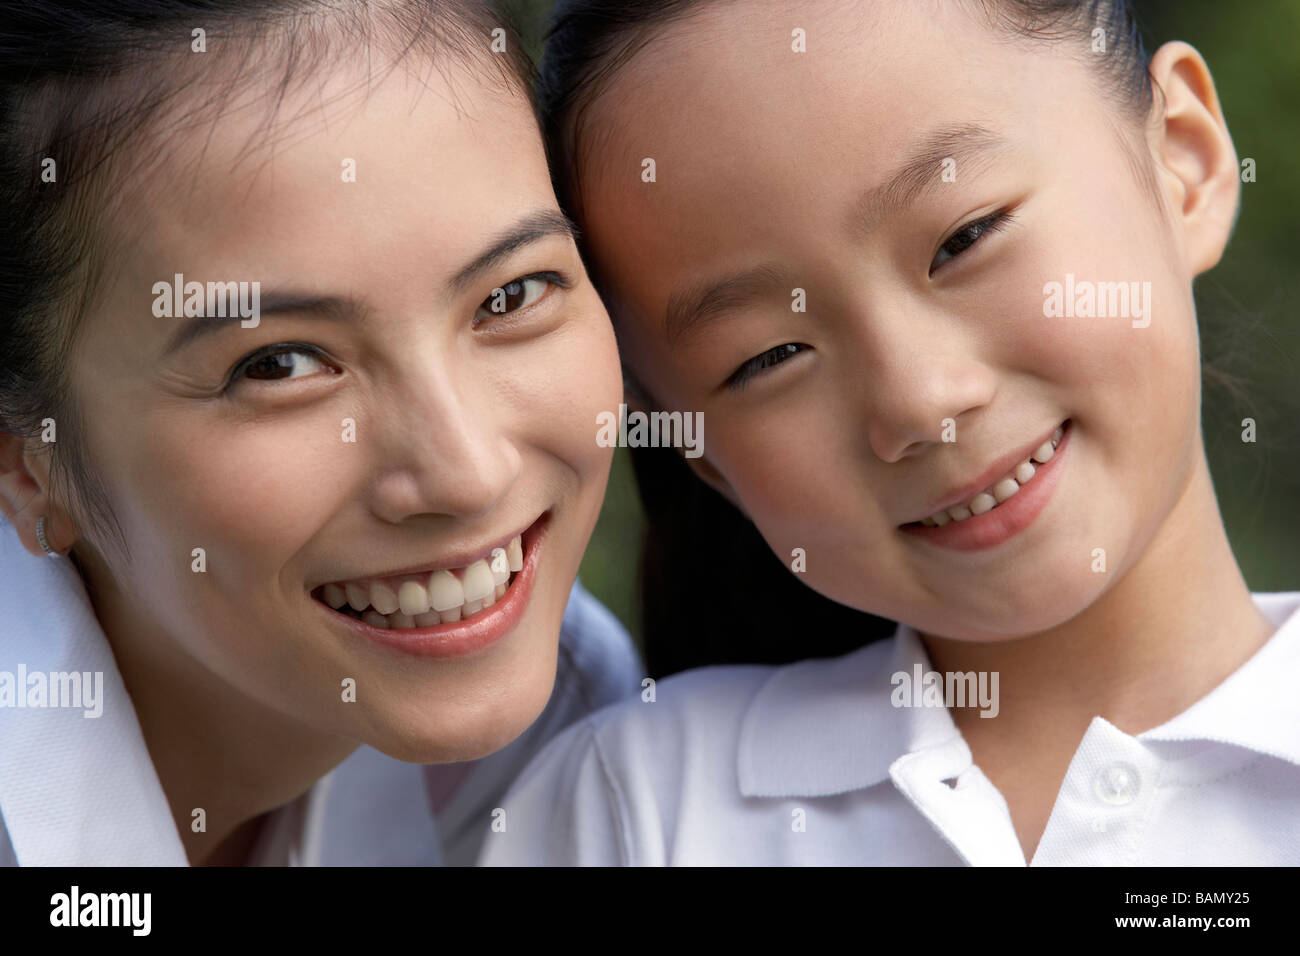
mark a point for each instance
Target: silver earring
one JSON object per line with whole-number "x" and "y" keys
{"x": 40, "y": 536}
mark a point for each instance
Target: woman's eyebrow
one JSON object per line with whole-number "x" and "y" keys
{"x": 531, "y": 228}
{"x": 965, "y": 145}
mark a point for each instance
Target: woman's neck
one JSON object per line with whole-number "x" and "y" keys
{"x": 213, "y": 748}
{"x": 1160, "y": 638}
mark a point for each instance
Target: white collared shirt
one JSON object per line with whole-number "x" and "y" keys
{"x": 811, "y": 764}
{"x": 82, "y": 791}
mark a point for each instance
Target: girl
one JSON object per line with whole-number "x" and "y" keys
{"x": 926, "y": 270}
{"x": 295, "y": 463}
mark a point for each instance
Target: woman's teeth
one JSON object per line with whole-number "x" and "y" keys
{"x": 1001, "y": 490}
{"x": 427, "y": 599}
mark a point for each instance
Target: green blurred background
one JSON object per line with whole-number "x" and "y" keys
{"x": 1247, "y": 306}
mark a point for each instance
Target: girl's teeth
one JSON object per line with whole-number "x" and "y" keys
{"x": 335, "y": 596}
{"x": 1004, "y": 489}
{"x": 515, "y": 553}
{"x": 374, "y": 619}
{"x": 412, "y": 598}
{"x": 986, "y": 501}
{"x": 427, "y": 619}
{"x": 401, "y": 620}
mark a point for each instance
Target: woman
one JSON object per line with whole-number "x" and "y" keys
{"x": 298, "y": 361}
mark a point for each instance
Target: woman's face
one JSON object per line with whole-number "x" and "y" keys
{"x": 405, "y": 427}
{"x": 921, "y": 369}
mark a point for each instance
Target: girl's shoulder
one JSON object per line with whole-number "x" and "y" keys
{"x": 692, "y": 739}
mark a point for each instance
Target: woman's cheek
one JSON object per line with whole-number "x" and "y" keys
{"x": 572, "y": 379}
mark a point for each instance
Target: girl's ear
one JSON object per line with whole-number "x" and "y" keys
{"x": 1196, "y": 154}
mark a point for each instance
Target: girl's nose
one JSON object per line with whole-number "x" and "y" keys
{"x": 918, "y": 388}
{"x": 445, "y": 449}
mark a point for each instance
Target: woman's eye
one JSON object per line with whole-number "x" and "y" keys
{"x": 967, "y": 236}
{"x": 280, "y": 362}
{"x": 515, "y": 295}
{"x": 761, "y": 362}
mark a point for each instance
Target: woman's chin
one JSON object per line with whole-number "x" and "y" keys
{"x": 444, "y": 736}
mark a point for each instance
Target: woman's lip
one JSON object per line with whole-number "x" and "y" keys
{"x": 458, "y": 560}
{"x": 1006, "y": 520}
{"x": 995, "y": 472}
{"x": 459, "y": 638}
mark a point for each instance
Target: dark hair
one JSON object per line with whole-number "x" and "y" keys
{"x": 712, "y": 590}
{"x": 88, "y": 83}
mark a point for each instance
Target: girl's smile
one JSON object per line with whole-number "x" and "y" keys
{"x": 992, "y": 509}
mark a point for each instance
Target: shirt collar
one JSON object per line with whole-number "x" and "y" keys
{"x": 827, "y": 726}
{"x": 1256, "y": 707}
{"x": 74, "y": 790}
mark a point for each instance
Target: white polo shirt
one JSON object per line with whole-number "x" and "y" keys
{"x": 810, "y": 764}
{"x": 82, "y": 791}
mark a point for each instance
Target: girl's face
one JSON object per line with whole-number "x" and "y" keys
{"x": 400, "y": 424}
{"x": 846, "y": 180}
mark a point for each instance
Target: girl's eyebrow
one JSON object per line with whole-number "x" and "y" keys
{"x": 531, "y": 228}
{"x": 692, "y": 307}
{"x": 964, "y": 144}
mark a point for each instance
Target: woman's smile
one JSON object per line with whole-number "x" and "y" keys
{"x": 447, "y": 611}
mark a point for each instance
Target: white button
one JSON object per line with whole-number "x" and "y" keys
{"x": 1117, "y": 784}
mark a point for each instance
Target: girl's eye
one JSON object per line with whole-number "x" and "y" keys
{"x": 761, "y": 362}
{"x": 516, "y": 295}
{"x": 279, "y": 362}
{"x": 967, "y": 236}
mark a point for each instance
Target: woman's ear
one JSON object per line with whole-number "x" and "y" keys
{"x": 1196, "y": 154}
{"x": 25, "y": 496}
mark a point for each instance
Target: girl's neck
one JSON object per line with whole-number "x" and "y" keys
{"x": 1159, "y": 639}
{"x": 212, "y": 747}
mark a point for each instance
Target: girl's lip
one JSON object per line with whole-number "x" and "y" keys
{"x": 459, "y": 638}
{"x": 1008, "y": 519}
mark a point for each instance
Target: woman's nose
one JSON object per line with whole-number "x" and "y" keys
{"x": 446, "y": 450}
